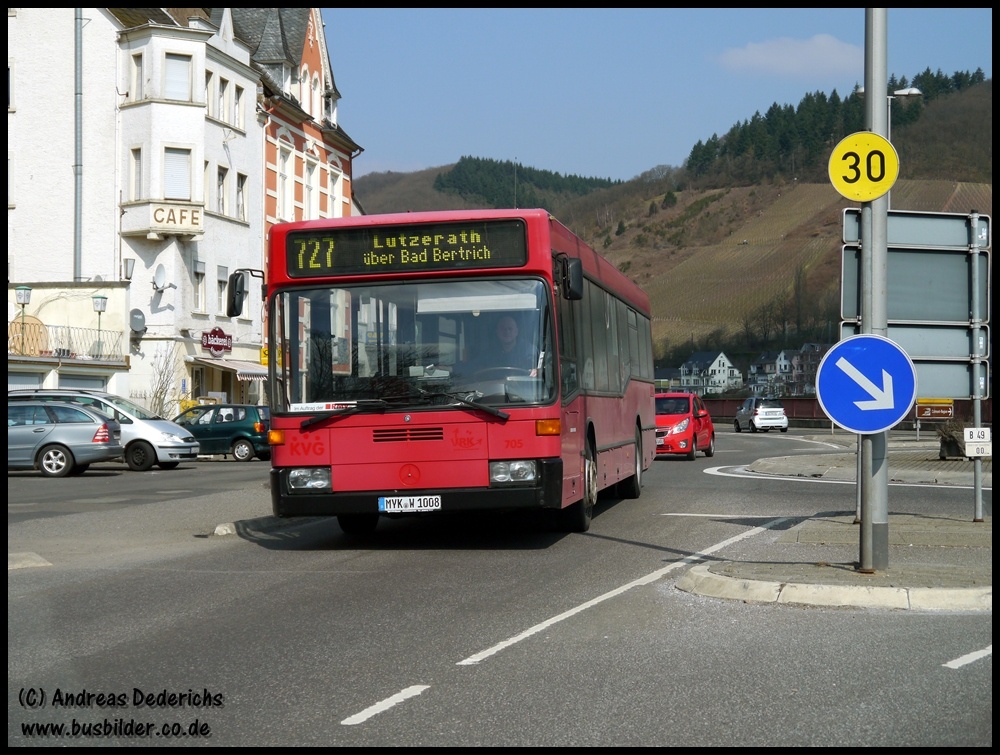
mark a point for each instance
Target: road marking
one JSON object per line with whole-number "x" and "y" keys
{"x": 25, "y": 561}
{"x": 969, "y": 658}
{"x": 651, "y": 577}
{"x": 384, "y": 705}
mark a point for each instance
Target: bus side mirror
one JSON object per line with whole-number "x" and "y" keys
{"x": 236, "y": 294}
{"x": 572, "y": 283}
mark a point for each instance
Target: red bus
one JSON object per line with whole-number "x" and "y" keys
{"x": 389, "y": 395}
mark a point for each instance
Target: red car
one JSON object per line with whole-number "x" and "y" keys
{"x": 683, "y": 425}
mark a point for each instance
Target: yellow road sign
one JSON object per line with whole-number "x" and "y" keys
{"x": 864, "y": 166}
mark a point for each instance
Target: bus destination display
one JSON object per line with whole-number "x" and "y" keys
{"x": 441, "y": 246}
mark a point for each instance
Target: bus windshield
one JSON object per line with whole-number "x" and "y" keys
{"x": 414, "y": 343}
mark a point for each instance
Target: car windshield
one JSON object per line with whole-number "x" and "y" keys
{"x": 771, "y": 403}
{"x": 134, "y": 409}
{"x": 672, "y": 405}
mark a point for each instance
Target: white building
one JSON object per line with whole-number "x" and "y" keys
{"x": 137, "y": 172}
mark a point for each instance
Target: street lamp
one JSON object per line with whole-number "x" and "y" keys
{"x": 898, "y": 94}
{"x": 23, "y": 294}
{"x": 100, "y": 305}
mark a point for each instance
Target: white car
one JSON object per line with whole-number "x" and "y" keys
{"x": 148, "y": 439}
{"x": 761, "y": 414}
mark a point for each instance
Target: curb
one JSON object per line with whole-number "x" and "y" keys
{"x": 701, "y": 581}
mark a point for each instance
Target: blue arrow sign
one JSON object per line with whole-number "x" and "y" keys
{"x": 866, "y": 384}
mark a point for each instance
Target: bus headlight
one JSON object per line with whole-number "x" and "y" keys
{"x": 518, "y": 472}
{"x": 310, "y": 478}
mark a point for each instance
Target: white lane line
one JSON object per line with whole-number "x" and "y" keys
{"x": 652, "y": 577}
{"x": 384, "y": 705}
{"x": 969, "y": 658}
{"x": 744, "y": 473}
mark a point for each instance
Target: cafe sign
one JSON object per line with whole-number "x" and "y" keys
{"x": 217, "y": 342}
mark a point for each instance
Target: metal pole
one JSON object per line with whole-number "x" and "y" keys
{"x": 874, "y": 478}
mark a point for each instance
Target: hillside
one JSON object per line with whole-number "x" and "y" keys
{"x": 756, "y": 263}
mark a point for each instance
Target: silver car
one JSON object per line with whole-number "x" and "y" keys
{"x": 59, "y": 439}
{"x": 761, "y": 414}
{"x": 148, "y": 439}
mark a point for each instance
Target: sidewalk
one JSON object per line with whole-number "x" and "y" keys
{"x": 934, "y": 563}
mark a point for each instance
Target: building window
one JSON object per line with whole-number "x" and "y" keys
{"x": 310, "y": 190}
{"x": 221, "y": 279}
{"x": 176, "y": 173}
{"x": 137, "y": 86}
{"x": 221, "y": 186}
{"x": 241, "y": 207}
{"x": 286, "y": 185}
{"x": 199, "y": 286}
{"x": 209, "y": 79}
{"x": 177, "y": 82}
{"x": 220, "y": 109}
{"x": 238, "y": 107}
{"x": 135, "y": 174}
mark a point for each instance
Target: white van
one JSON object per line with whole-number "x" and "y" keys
{"x": 147, "y": 439}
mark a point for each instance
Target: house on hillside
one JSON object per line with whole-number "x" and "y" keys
{"x": 789, "y": 372}
{"x": 708, "y": 372}
{"x": 805, "y": 365}
{"x": 667, "y": 379}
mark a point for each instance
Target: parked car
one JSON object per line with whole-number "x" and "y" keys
{"x": 147, "y": 438}
{"x": 683, "y": 425}
{"x": 237, "y": 429}
{"x": 59, "y": 439}
{"x": 757, "y": 413}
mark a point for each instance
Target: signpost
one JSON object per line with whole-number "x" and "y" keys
{"x": 866, "y": 384}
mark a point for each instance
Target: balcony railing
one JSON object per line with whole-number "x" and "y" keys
{"x": 34, "y": 340}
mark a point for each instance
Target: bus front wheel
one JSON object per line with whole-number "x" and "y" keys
{"x": 577, "y": 517}
{"x": 631, "y": 487}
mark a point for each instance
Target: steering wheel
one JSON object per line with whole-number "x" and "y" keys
{"x": 499, "y": 372}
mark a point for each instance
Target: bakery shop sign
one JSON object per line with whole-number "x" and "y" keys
{"x": 217, "y": 342}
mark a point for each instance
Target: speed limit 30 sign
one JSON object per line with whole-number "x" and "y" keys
{"x": 864, "y": 166}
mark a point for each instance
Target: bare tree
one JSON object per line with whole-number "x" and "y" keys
{"x": 161, "y": 386}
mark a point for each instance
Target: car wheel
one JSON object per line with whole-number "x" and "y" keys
{"x": 140, "y": 456}
{"x": 710, "y": 451}
{"x": 242, "y": 450}
{"x": 631, "y": 487}
{"x": 753, "y": 426}
{"x": 168, "y": 464}
{"x": 693, "y": 451}
{"x": 55, "y": 461}
{"x": 577, "y": 517}
{"x": 357, "y": 525}
{"x": 784, "y": 429}
{"x": 736, "y": 426}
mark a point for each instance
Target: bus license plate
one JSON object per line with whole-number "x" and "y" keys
{"x": 404, "y": 503}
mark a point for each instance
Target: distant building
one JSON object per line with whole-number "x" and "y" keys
{"x": 708, "y": 372}
{"x": 786, "y": 372}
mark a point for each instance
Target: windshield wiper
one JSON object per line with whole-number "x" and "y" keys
{"x": 464, "y": 401}
{"x": 359, "y": 406}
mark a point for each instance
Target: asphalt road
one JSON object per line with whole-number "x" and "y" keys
{"x": 491, "y": 631}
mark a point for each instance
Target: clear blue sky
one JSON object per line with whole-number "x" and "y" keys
{"x": 606, "y": 93}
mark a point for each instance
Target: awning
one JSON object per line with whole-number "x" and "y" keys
{"x": 246, "y": 371}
